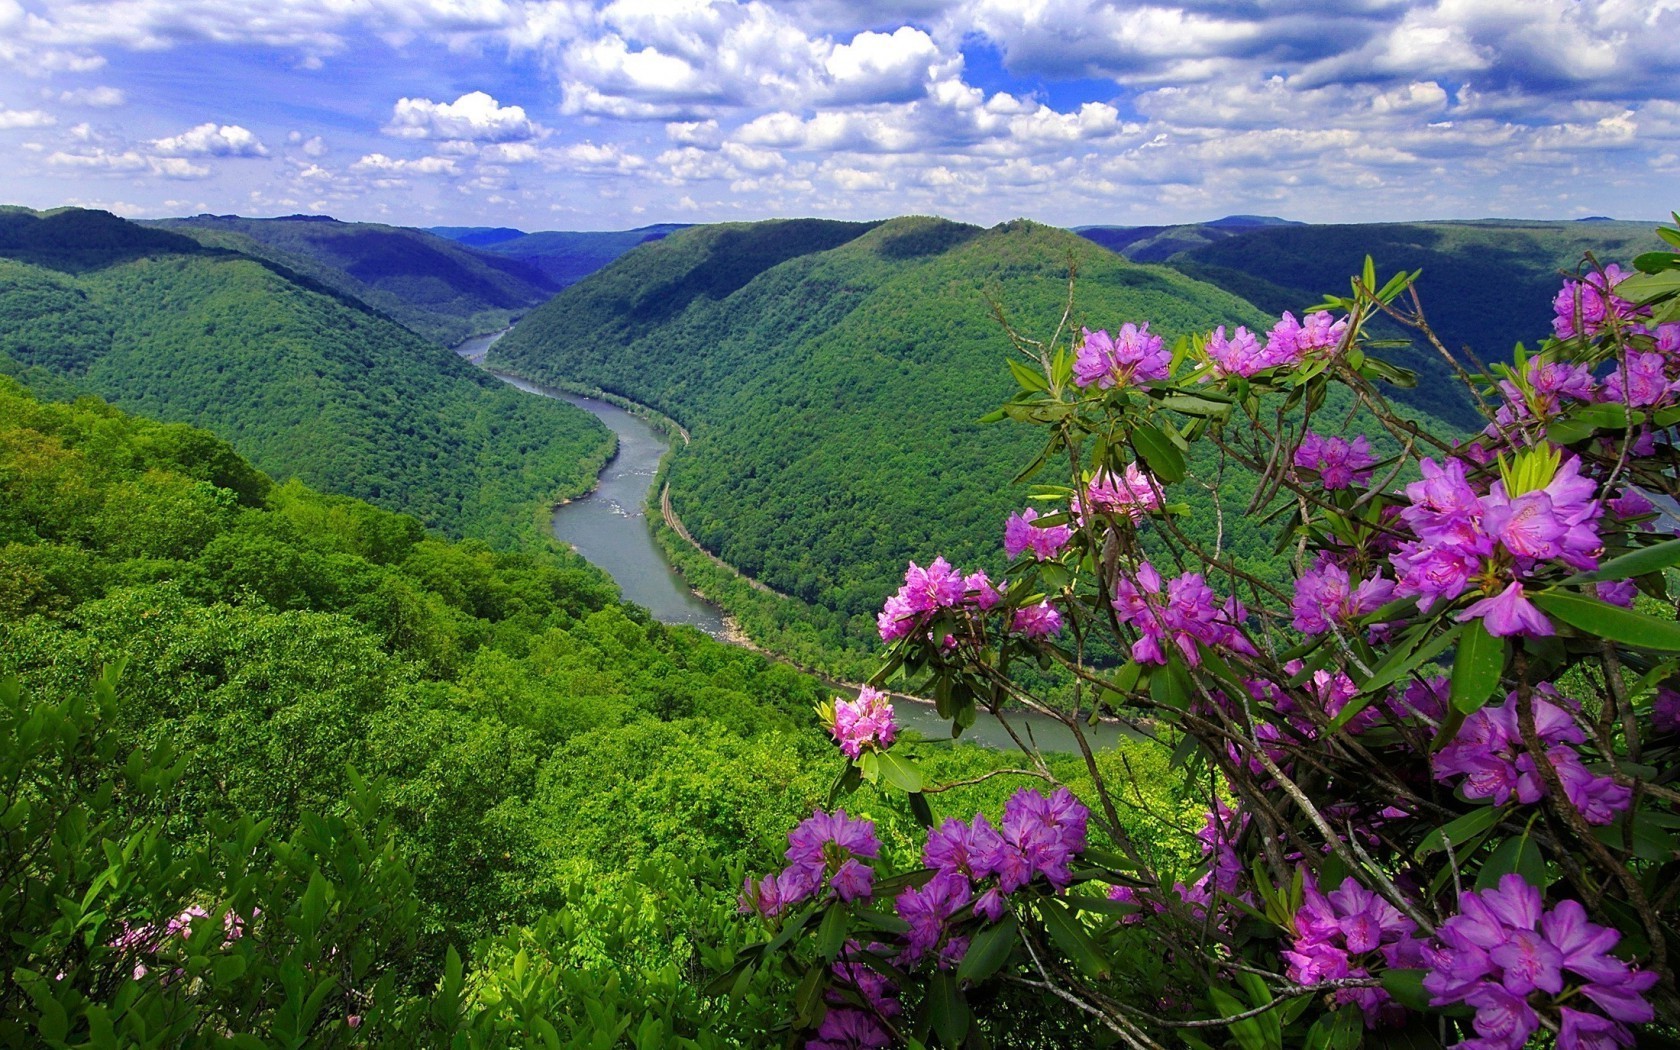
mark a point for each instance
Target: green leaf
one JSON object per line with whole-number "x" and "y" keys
{"x": 1407, "y": 988}
{"x": 1476, "y": 668}
{"x": 1029, "y": 378}
{"x": 1594, "y": 617}
{"x": 947, "y": 1010}
{"x": 989, "y": 950}
{"x": 1459, "y": 831}
{"x": 1641, "y": 562}
{"x": 1403, "y": 659}
{"x": 920, "y": 809}
{"x": 1646, "y": 287}
{"x": 1201, "y": 407}
{"x": 1251, "y": 1035}
{"x": 1520, "y": 855}
{"x": 1164, "y": 459}
{"x": 898, "y": 772}
{"x": 1071, "y": 936}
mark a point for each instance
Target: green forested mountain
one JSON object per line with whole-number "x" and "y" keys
{"x": 564, "y": 257}
{"x": 440, "y": 289}
{"x": 381, "y": 749}
{"x": 303, "y": 381}
{"x": 833, "y": 393}
{"x": 1484, "y": 284}
{"x": 1160, "y": 243}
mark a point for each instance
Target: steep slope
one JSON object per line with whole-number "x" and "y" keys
{"x": 564, "y": 257}
{"x": 300, "y": 380}
{"x": 833, "y": 397}
{"x": 1158, "y": 243}
{"x": 1484, "y": 284}
{"x": 441, "y": 289}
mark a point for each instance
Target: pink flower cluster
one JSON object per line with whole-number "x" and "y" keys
{"x": 147, "y": 939}
{"x": 1586, "y": 307}
{"x": 1504, "y": 956}
{"x": 845, "y": 1027}
{"x": 1338, "y": 463}
{"x": 1182, "y": 613}
{"x": 1021, "y": 535}
{"x": 1288, "y": 343}
{"x": 823, "y": 849}
{"x": 1489, "y": 755}
{"x": 1131, "y": 495}
{"x": 1325, "y": 596}
{"x": 1494, "y": 541}
{"x": 1347, "y": 933}
{"x": 1039, "y": 837}
{"x": 864, "y": 722}
{"x": 928, "y": 590}
{"x": 1133, "y": 359}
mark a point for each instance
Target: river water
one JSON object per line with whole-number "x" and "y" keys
{"x": 609, "y": 528}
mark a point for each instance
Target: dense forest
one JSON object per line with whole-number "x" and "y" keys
{"x": 439, "y": 289}
{"x": 423, "y": 751}
{"x": 303, "y": 381}
{"x": 565, "y": 257}
{"x": 834, "y": 390}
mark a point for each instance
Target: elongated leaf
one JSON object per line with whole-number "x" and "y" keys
{"x": 989, "y": 950}
{"x": 1030, "y": 379}
{"x": 1634, "y": 563}
{"x": 1251, "y": 1035}
{"x": 1407, "y": 987}
{"x": 1404, "y": 659}
{"x": 831, "y": 935}
{"x": 1163, "y": 457}
{"x": 1071, "y": 936}
{"x": 1520, "y": 855}
{"x": 947, "y": 1010}
{"x": 1476, "y": 668}
{"x": 1611, "y": 621}
{"x": 899, "y": 773}
{"x": 1459, "y": 831}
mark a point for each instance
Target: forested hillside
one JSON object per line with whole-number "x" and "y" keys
{"x": 564, "y": 257}
{"x": 374, "y": 746}
{"x": 305, "y": 382}
{"x": 834, "y": 395}
{"x": 440, "y": 289}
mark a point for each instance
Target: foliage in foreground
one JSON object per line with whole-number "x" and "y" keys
{"x": 1390, "y": 855}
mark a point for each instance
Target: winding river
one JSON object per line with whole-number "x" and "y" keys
{"x": 609, "y": 528}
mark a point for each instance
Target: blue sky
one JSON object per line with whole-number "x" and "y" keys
{"x": 577, "y": 114}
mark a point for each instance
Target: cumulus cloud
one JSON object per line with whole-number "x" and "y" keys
{"x": 211, "y": 140}
{"x": 126, "y": 162}
{"x": 381, "y": 164}
{"x": 25, "y": 118}
{"x": 97, "y": 97}
{"x": 474, "y": 117}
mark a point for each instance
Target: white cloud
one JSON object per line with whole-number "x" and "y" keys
{"x": 212, "y": 140}
{"x": 474, "y": 117}
{"x": 25, "y": 118}
{"x": 97, "y": 97}
{"x": 380, "y": 163}
{"x": 883, "y": 67}
{"x": 128, "y": 162}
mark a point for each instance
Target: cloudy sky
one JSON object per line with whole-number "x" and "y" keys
{"x": 572, "y": 114}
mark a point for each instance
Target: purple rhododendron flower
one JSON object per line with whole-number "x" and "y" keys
{"x": 1338, "y": 462}
{"x": 1315, "y": 335}
{"x": 864, "y": 722}
{"x": 1665, "y": 711}
{"x": 1584, "y": 307}
{"x": 824, "y": 846}
{"x": 1181, "y": 612}
{"x": 1020, "y": 535}
{"x": 928, "y": 909}
{"x": 1134, "y": 358}
{"x": 1131, "y": 495}
{"x": 846, "y": 1028}
{"x": 1345, "y": 934}
{"x": 1509, "y": 612}
{"x": 1240, "y": 355}
{"x": 1640, "y": 381}
{"x": 1489, "y": 755}
{"x": 1505, "y": 956}
{"x": 1324, "y": 595}
{"x": 979, "y": 590}
{"x": 1038, "y": 621}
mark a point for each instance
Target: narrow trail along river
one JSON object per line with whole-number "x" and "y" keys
{"x": 609, "y": 528}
